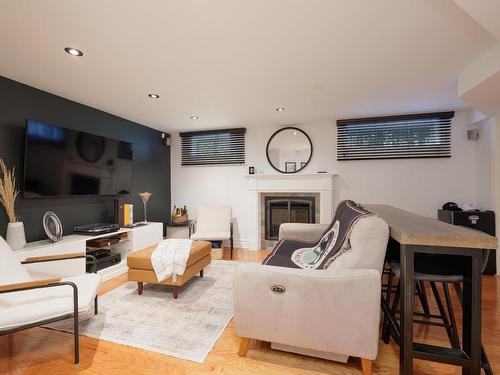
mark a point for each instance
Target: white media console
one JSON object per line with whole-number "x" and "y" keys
{"x": 137, "y": 238}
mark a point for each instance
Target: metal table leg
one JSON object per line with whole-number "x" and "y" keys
{"x": 471, "y": 311}
{"x": 407, "y": 302}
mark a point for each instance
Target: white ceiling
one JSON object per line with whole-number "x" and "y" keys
{"x": 232, "y": 62}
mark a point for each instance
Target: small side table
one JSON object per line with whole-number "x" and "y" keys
{"x": 188, "y": 224}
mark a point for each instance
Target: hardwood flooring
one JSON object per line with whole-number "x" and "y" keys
{"x": 43, "y": 351}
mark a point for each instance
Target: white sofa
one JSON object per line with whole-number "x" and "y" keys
{"x": 332, "y": 313}
{"x": 30, "y": 299}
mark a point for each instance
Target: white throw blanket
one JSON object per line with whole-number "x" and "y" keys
{"x": 170, "y": 258}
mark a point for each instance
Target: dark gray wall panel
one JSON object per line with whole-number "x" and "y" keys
{"x": 150, "y": 171}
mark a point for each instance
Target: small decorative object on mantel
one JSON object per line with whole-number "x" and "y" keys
{"x": 52, "y": 226}
{"x": 145, "y": 197}
{"x": 251, "y": 170}
{"x": 180, "y": 215}
{"x": 15, "y": 229}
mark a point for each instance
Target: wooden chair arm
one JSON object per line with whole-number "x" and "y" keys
{"x": 50, "y": 258}
{"x": 29, "y": 284}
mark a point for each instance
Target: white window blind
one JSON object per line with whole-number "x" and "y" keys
{"x": 226, "y": 146}
{"x": 395, "y": 137}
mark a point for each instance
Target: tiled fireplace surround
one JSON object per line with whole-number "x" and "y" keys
{"x": 269, "y": 244}
{"x": 319, "y": 185}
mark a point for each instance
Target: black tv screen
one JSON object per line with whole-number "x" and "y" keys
{"x": 66, "y": 162}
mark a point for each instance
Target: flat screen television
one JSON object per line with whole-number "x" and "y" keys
{"x": 64, "y": 162}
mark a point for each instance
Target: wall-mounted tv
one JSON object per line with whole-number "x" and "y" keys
{"x": 65, "y": 162}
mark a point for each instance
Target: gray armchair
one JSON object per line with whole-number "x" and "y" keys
{"x": 332, "y": 313}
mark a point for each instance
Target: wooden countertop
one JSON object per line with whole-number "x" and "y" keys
{"x": 412, "y": 229}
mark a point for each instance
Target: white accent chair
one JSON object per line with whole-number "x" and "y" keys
{"x": 29, "y": 298}
{"x": 332, "y": 313}
{"x": 214, "y": 223}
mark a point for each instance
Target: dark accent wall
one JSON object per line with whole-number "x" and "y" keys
{"x": 150, "y": 171}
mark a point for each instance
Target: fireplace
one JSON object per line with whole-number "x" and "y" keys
{"x": 287, "y": 209}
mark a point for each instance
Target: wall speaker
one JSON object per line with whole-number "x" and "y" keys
{"x": 165, "y": 139}
{"x": 472, "y": 135}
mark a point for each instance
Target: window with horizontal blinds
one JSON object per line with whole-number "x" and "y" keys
{"x": 426, "y": 135}
{"x": 226, "y": 146}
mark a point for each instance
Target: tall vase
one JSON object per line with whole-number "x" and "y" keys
{"x": 145, "y": 217}
{"x": 15, "y": 235}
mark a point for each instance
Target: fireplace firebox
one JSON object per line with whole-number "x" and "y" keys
{"x": 292, "y": 209}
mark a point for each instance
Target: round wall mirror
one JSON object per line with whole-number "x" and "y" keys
{"x": 289, "y": 150}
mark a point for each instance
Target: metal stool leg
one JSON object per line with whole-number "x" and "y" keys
{"x": 485, "y": 362}
{"x": 423, "y": 298}
{"x": 442, "y": 312}
{"x": 388, "y": 299}
{"x": 456, "y": 340}
{"x": 387, "y": 332}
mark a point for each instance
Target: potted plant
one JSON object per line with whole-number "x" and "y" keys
{"x": 8, "y": 194}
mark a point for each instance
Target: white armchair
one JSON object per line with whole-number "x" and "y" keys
{"x": 28, "y": 300}
{"x": 332, "y": 313}
{"x": 214, "y": 223}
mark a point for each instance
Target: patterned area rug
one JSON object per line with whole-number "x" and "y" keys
{"x": 185, "y": 328}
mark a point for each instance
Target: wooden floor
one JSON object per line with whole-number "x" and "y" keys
{"x": 43, "y": 351}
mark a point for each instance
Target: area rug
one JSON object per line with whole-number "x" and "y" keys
{"x": 186, "y": 328}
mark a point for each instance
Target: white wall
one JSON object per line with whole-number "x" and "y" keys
{"x": 484, "y": 163}
{"x": 418, "y": 185}
{"x": 495, "y": 135}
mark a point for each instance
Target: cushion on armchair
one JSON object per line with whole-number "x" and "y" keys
{"x": 11, "y": 271}
{"x": 20, "y": 308}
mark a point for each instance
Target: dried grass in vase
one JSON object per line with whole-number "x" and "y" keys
{"x": 8, "y": 192}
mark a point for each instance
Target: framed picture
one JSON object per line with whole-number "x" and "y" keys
{"x": 290, "y": 166}
{"x": 303, "y": 164}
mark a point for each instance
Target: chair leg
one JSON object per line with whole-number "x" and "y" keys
{"x": 423, "y": 298}
{"x": 243, "y": 346}
{"x": 96, "y": 308}
{"x": 387, "y": 331}
{"x": 485, "y": 362}
{"x": 232, "y": 246}
{"x": 367, "y": 366}
{"x": 75, "y": 327}
{"x": 385, "y": 321}
{"x": 442, "y": 312}
{"x": 175, "y": 291}
{"x": 201, "y": 273}
{"x": 389, "y": 287}
{"x": 140, "y": 287}
{"x": 451, "y": 314}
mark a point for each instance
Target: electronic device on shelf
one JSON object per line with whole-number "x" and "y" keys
{"x": 98, "y": 252}
{"x": 96, "y": 229}
{"x": 104, "y": 258}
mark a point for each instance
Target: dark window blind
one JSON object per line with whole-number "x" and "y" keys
{"x": 395, "y": 137}
{"x": 226, "y": 146}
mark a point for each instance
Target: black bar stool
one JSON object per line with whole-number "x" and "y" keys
{"x": 447, "y": 270}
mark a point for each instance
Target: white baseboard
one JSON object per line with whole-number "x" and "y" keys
{"x": 242, "y": 244}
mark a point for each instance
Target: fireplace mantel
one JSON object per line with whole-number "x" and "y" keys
{"x": 321, "y": 183}
{"x": 297, "y": 182}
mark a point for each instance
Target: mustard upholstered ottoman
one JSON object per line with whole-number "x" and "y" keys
{"x": 140, "y": 268}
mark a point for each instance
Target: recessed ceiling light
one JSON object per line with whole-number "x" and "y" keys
{"x": 154, "y": 96}
{"x": 194, "y": 117}
{"x": 73, "y": 51}
{"x": 280, "y": 109}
